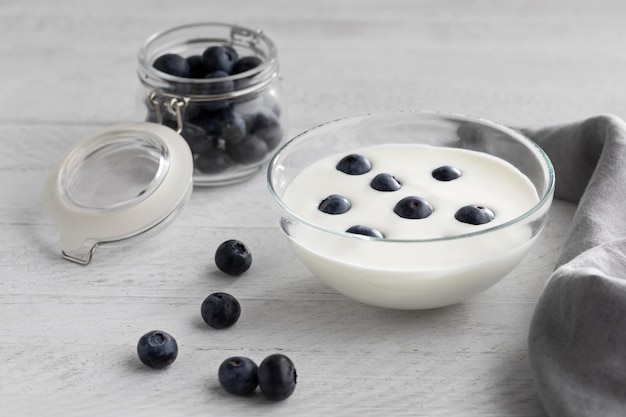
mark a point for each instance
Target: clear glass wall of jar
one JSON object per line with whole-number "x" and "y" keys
{"x": 232, "y": 121}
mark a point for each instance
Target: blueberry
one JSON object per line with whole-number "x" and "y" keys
{"x": 385, "y": 182}
{"x": 233, "y": 257}
{"x": 365, "y": 231}
{"x": 231, "y": 51}
{"x": 220, "y": 310}
{"x": 193, "y": 110}
{"x": 218, "y": 86}
{"x": 196, "y": 67}
{"x": 219, "y": 58}
{"x": 413, "y": 207}
{"x": 209, "y": 124}
{"x": 266, "y": 127}
{"x": 354, "y": 164}
{"x": 157, "y": 349}
{"x": 172, "y": 64}
{"x": 446, "y": 173}
{"x": 277, "y": 377}
{"x": 197, "y": 138}
{"x": 247, "y": 151}
{"x": 213, "y": 161}
{"x": 238, "y": 375}
{"x": 232, "y": 125}
{"x": 334, "y": 204}
{"x": 216, "y": 105}
{"x": 474, "y": 214}
{"x": 246, "y": 63}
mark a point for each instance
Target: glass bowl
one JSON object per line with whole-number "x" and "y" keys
{"x": 415, "y": 272}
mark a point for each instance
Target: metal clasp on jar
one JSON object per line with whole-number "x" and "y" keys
{"x": 247, "y": 36}
{"x": 173, "y": 104}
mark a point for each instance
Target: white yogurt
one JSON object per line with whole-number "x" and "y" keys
{"x": 405, "y": 275}
{"x": 486, "y": 180}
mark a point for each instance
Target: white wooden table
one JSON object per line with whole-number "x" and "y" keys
{"x": 68, "y": 333}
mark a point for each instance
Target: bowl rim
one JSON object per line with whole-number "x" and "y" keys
{"x": 544, "y": 199}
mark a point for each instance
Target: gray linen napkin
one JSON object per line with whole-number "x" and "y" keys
{"x": 577, "y": 337}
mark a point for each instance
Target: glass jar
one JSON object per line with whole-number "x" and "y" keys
{"x": 232, "y": 121}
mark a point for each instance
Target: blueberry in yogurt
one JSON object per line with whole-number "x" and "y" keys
{"x": 354, "y": 164}
{"x": 334, "y": 204}
{"x": 474, "y": 214}
{"x": 446, "y": 173}
{"x": 360, "y": 229}
{"x": 385, "y": 182}
{"x": 413, "y": 207}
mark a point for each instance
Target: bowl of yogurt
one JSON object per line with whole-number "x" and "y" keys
{"x": 411, "y": 210}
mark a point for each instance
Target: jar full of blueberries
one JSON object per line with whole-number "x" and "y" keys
{"x": 218, "y": 86}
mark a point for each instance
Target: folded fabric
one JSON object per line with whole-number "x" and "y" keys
{"x": 577, "y": 337}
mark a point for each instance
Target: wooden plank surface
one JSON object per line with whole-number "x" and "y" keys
{"x": 68, "y": 333}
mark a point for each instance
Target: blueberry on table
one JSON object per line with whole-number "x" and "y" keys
{"x": 385, "y": 182}
{"x": 334, "y": 204}
{"x": 238, "y": 375}
{"x": 446, "y": 173}
{"x": 172, "y": 64}
{"x": 220, "y": 310}
{"x": 360, "y": 229}
{"x": 233, "y": 257}
{"x": 354, "y": 164}
{"x": 157, "y": 349}
{"x": 246, "y": 63}
{"x": 219, "y": 58}
{"x": 474, "y": 214}
{"x": 413, "y": 207}
{"x": 277, "y": 377}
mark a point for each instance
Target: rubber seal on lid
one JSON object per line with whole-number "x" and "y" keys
{"x": 122, "y": 183}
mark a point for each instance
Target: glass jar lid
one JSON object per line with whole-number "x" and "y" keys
{"x": 122, "y": 183}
